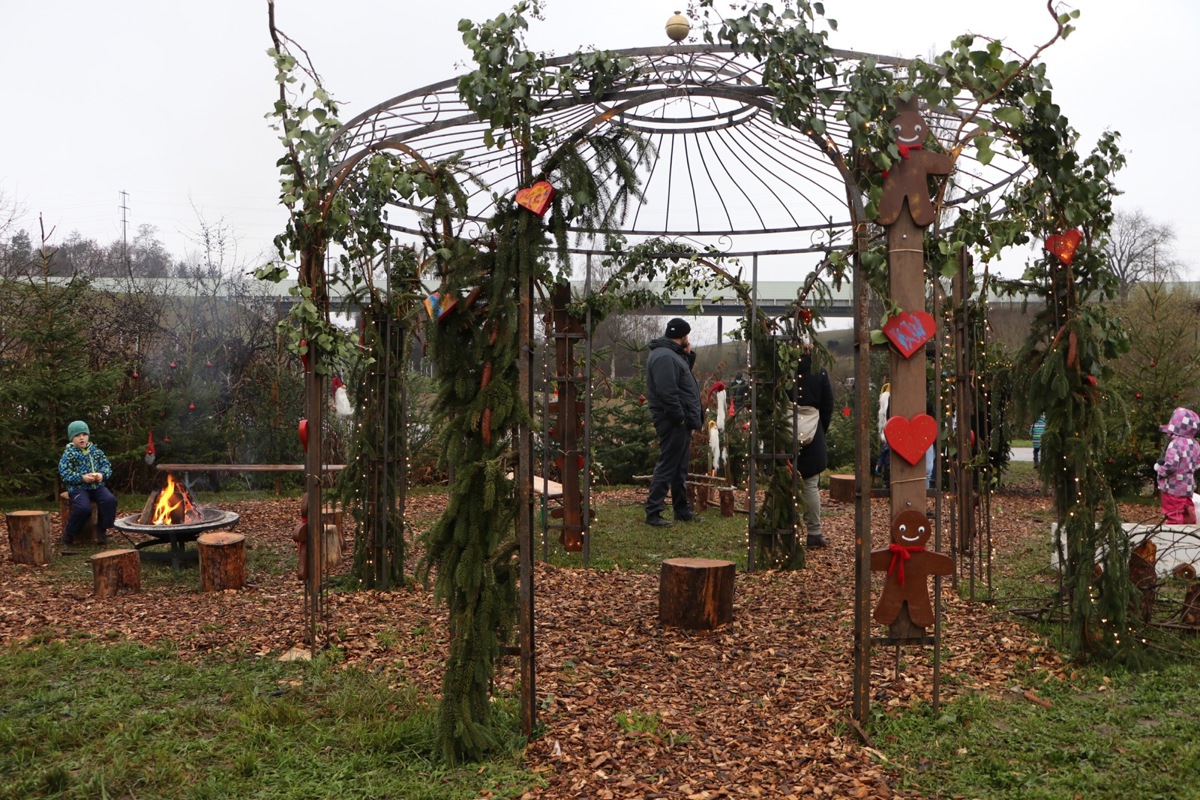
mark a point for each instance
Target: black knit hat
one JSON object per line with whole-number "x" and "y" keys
{"x": 677, "y": 329}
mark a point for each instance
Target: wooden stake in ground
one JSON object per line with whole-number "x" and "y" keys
{"x": 222, "y": 561}
{"x": 116, "y": 571}
{"x": 727, "y": 501}
{"x": 695, "y": 593}
{"x": 29, "y": 536}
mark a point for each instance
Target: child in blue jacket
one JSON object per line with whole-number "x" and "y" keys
{"x": 84, "y": 468}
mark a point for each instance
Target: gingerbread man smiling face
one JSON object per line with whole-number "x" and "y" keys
{"x": 909, "y": 129}
{"x": 908, "y": 565}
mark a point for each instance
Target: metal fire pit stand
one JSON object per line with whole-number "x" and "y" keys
{"x": 176, "y": 537}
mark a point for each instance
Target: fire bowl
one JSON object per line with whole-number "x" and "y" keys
{"x": 210, "y": 519}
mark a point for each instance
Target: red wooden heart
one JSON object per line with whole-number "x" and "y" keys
{"x": 536, "y": 198}
{"x": 1064, "y": 245}
{"x": 910, "y": 330}
{"x": 303, "y": 431}
{"x": 910, "y": 438}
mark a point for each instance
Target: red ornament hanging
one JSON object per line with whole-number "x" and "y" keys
{"x": 536, "y": 198}
{"x": 1063, "y": 246}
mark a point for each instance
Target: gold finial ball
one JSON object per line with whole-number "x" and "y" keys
{"x": 678, "y": 27}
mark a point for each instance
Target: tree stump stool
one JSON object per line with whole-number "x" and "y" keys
{"x": 222, "y": 561}
{"x": 841, "y": 488}
{"x": 695, "y": 593}
{"x": 727, "y": 501}
{"x": 332, "y": 541}
{"x": 29, "y": 536}
{"x": 116, "y": 571}
{"x": 701, "y": 496}
{"x": 87, "y": 534}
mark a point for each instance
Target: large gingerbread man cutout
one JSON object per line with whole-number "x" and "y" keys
{"x": 907, "y": 177}
{"x": 908, "y": 566}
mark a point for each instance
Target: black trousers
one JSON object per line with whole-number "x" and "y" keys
{"x": 670, "y": 472}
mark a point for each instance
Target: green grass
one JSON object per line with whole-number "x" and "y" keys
{"x": 621, "y": 538}
{"x": 1129, "y": 735}
{"x": 83, "y": 720}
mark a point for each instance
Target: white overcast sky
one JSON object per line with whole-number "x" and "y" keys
{"x": 166, "y": 101}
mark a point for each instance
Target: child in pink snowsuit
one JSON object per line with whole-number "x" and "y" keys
{"x": 1177, "y": 466}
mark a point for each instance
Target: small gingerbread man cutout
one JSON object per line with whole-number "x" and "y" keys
{"x": 907, "y": 177}
{"x": 908, "y": 565}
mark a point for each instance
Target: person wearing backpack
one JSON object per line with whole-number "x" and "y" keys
{"x": 812, "y": 390}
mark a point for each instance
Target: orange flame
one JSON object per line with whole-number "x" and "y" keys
{"x": 172, "y": 498}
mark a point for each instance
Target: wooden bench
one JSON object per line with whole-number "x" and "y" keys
{"x": 544, "y": 487}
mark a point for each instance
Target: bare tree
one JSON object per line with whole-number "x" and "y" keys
{"x": 1141, "y": 250}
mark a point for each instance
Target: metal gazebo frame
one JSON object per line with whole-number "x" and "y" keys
{"x": 725, "y": 174}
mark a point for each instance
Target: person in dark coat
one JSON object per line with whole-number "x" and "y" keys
{"x": 674, "y": 399}
{"x": 813, "y": 389}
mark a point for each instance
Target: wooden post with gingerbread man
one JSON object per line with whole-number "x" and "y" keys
{"x": 904, "y": 603}
{"x": 906, "y": 209}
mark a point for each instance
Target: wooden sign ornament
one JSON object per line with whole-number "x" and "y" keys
{"x": 1063, "y": 246}
{"x": 906, "y": 180}
{"x": 908, "y": 565}
{"x": 910, "y": 438}
{"x": 437, "y": 307}
{"x": 536, "y": 198}
{"x": 910, "y": 330}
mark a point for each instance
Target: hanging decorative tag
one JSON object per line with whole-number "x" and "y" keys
{"x": 1064, "y": 245}
{"x": 910, "y": 330}
{"x": 536, "y": 198}
{"x": 910, "y": 438}
{"x": 436, "y": 308}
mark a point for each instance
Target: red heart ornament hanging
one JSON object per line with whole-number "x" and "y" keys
{"x": 536, "y": 198}
{"x": 910, "y": 330}
{"x": 910, "y": 438}
{"x": 303, "y": 431}
{"x": 1064, "y": 245}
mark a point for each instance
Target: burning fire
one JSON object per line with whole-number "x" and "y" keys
{"x": 173, "y": 505}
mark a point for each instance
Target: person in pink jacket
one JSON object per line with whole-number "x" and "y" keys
{"x": 1176, "y": 469}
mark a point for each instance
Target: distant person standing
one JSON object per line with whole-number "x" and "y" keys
{"x": 674, "y": 399}
{"x": 1176, "y": 468}
{"x": 1035, "y": 434}
{"x": 813, "y": 389}
{"x": 84, "y": 468}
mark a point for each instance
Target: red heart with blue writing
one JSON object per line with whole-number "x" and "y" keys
{"x": 910, "y": 438}
{"x": 910, "y": 330}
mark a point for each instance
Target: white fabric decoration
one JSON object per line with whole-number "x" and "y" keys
{"x": 341, "y": 402}
{"x": 714, "y": 444}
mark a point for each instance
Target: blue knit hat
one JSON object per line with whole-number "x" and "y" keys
{"x": 77, "y": 427}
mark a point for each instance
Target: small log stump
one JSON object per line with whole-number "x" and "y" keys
{"x": 29, "y": 536}
{"x": 695, "y": 593}
{"x": 87, "y": 534}
{"x": 1191, "y": 606}
{"x": 116, "y": 571}
{"x": 841, "y": 488}
{"x": 222, "y": 561}
{"x": 334, "y": 550}
{"x": 727, "y": 501}
{"x": 702, "y": 495}
{"x": 333, "y": 546}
